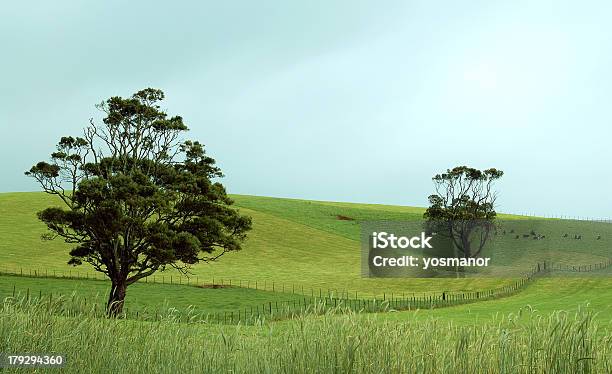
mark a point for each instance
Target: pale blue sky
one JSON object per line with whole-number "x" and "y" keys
{"x": 344, "y": 100}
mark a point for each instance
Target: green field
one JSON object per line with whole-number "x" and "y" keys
{"x": 300, "y": 248}
{"x": 520, "y": 343}
{"x": 544, "y": 296}
{"x": 295, "y": 244}
{"x": 157, "y": 297}
{"x": 310, "y": 251}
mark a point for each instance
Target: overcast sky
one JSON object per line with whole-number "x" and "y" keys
{"x": 333, "y": 100}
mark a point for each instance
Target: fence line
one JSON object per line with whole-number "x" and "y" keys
{"x": 264, "y": 285}
{"x": 562, "y": 217}
{"x": 323, "y": 303}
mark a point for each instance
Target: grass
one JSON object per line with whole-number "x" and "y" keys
{"x": 335, "y": 218}
{"x": 560, "y": 342}
{"x": 544, "y": 295}
{"x": 309, "y": 245}
{"x": 149, "y": 296}
{"x": 296, "y": 243}
{"x": 278, "y": 250}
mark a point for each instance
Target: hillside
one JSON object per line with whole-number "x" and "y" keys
{"x": 301, "y": 244}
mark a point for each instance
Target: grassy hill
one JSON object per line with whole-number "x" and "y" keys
{"x": 293, "y": 242}
{"x": 301, "y": 244}
{"x": 311, "y": 245}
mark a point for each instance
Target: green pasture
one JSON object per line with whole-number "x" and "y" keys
{"x": 543, "y": 296}
{"x": 141, "y": 296}
{"x": 302, "y": 245}
{"x": 309, "y": 247}
{"x": 560, "y": 342}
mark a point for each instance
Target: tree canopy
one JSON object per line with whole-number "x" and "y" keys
{"x": 137, "y": 196}
{"x": 463, "y": 207}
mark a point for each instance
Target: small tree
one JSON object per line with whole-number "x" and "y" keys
{"x": 463, "y": 207}
{"x": 136, "y": 197}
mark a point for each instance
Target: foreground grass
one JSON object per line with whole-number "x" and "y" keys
{"x": 560, "y": 342}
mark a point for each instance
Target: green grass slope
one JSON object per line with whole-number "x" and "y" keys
{"x": 141, "y": 296}
{"x": 335, "y": 218}
{"x": 544, "y": 296}
{"x": 304, "y": 244}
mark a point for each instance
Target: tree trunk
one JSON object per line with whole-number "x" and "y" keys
{"x": 467, "y": 250}
{"x": 116, "y": 297}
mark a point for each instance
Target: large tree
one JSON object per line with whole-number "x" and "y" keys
{"x": 137, "y": 196}
{"x": 463, "y": 208}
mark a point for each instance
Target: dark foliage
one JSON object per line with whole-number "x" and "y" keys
{"x": 463, "y": 208}
{"x": 138, "y": 198}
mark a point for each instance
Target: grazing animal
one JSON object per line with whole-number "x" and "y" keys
{"x": 598, "y": 237}
{"x": 565, "y": 235}
{"x": 516, "y": 237}
{"x": 512, "y": 231}
{"x": 526, "y": 235}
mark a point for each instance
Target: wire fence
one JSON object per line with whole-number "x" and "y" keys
{"x": 284, "y": 309}
{"x": 564, "y": 217}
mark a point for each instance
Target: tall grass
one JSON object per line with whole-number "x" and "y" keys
{"x": 332, "y": 342}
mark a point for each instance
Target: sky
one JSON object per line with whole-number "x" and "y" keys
{"x": 332, "y": 100}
